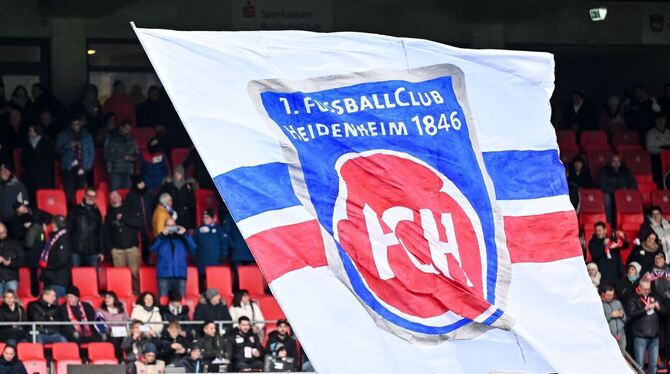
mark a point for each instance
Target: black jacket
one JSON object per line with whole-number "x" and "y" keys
{"x": 85, "y": 224}
{"x": 209, "y": 312}
{"x": 140, "y": 204}
{"x": 287, "y": 340}
{"x": 16, "y": 315}
{"x": 120, "y": 233}
{"x": 39, "y": 311}
{"x": 183, "y": 202}
{"x": 58, "y": 265}
{"x": 13, "y": 250}
{"x": 611, "y": 268}
{"x": 643, "y": 257}
{"x": 242, "y": 340}
{"x": 32, "y": 237}
{"x": 216, "y": 347}
{"x": 12, "y": 367}
{"x": 191, "y": 365}
{"x": 166, "y": 315}
{"x": 38, "y": 163}
{"x": 643, "y": 325}
{"x": 165, "y": 351}
{"x": 68, "y": 331}
{"x": 610, "y": 180}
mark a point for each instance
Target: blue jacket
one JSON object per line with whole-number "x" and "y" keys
{"x": 65, "y": 151}
{"x": 212, "y": 246}
{"x": 153, "y": 168}
{"x": 172, "y": 252}
{"x": 240, "y": 250}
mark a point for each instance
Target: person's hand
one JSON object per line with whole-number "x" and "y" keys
{"x": 181, "y": 230}
{"x": 636, "y": 241}
{"x": 607, "y": 241}
{"x": 119, "y": 216}
{"x": 165, "y": 231}
{"x": 176, "y": 346}
{"x": 657, "y": 306}
{"x": 255, "y": 353}
{"x": 27, "y": 225}
{"x": 256, "y": 329}
{"x": 101, "y": 257}
{"x": 649, "y": 306}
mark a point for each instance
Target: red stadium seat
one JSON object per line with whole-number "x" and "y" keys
{"x": 65, "y": 354}
{"x": 567, "y": 138}
{"x": 2, "y": 346}
{"x": 205, "y": 199}
{"x": 192, "y": 288}
{"x": 99, "y": 168}
{"x": 665, "y": 161}
{"x": 120, "y": 281}
{"x": 86, "y": 279}
{"x": 661, "y": 198}
{"x": 148, "y": 281}
{"x": 219, "y": 277}
{"x": 597, "y": 159}
{"x": 18, "y": 165}
{"x": 568, "y": 155}
{"x": 101, "y": 354}
{"x": 123, "y": 192}
{"x": 25, "y": 283}
{"x": 591, "y": 206}
{"x": 625, "y": 138}
{"x": 178, "y": 157}
{"x": 271, "y": 311}
{"x": 591, "y": 140}
{"x": 628, "y": 205}
{"x": 251, "y": 279}
{"x": 94, "y": 300}
{"x": 646, "y": 188}
{"x": 639, "y": 162}
{"x": 52, "y": 201}
{"x": 58, "y": 181}
{"x": 30, "y": 351}
{"x": 100, "y": 200}
{"x": 623, "y": 148}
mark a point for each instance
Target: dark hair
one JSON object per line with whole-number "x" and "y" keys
{"x": 174, "y": 322}
{"x": 140, "y": 300}
{"x": 606, "y": 287}
{"x": 39, "y": 130}
{"x": 108, "y": 116}
{"x": 174, "y": 295}
{"x": 117, "y": 303}
{"x": 601, "y": 224}
{"x": 19, "y": 87}
{"x": 40, "y": 86}
{"x": 237, "y": 299}
{"x": 656, "y": 207}
{"x": 135, "y": 322}
{"x": 243, "y": 318}
{"x": 207, "y": 323}
{"x": 59, "y": 222}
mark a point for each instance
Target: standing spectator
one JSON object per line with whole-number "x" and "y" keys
{"x": 37, "y": 159}
{"x": 244, "y": 307}
{"x": 612, "y": 118}
{"x": 15, "y": 130}
{"x": 145, "y": 311}
{"x": 148, "y": 363}
{"x": 215, "y": 347}
{"x": 212, "y": 244}
{"x": 89, "y": 105}
{"x": 52, "y": 127}
{"x": 594, "y": 274}
{"x": 282, "y": 335}
{"x": 172, "y": 247}
{"x": 643, "y": 310}
{"x": 140, "y": 203}
{"x": 614, "y": 176}
{"x": 213, "y": 309}
{"x": 615, "y": 315}
{"x": 44, "y": 99}
{"x": 9, "y": 363}
{"x": 11, "y": 191}
{"x": 183, "y": 196}
{"x": 55, "y": 259}
{"x": 645, "y": 252}
{"x": 109, "y": 126}
{"x": 21, "y": 100}
{"x": 11, "y": 259}
{"x": 248, "y": 351}
{"x": 121, "y": 237}
{"x": 74, "y": 311}
{"x": 29, "y": 228}
{"x": 174, "y": 310}
{"x": 11, "y": 311}
{"x": 578, "y": 178}
{"x": 136, "y": 95}
{"x": 581, "y": 114}
{"x": 154, "y": 165}
{"x": 606, "y": 252}
{"x": 133, "y": 344}
{"x": 149, "y": 112}
{"x": 640, "y": 109}
{"x": 656, "y": 223}
{"x": 193, "y": 363}
{"x": 162, "y": 213}
{"x": 120, "y": 104}
{"x": 112, "y": 310}
{"x": 240, "y": 252}
{"x": 45, "y": 310}
{"x": 76, "y": 150}
{"x": 85, "y": 224}
{"x": 173, "y": 344}
{"x": 625, "y": 287}
{"x": 121, "y": 153}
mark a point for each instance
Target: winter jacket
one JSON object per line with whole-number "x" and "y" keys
{"x": 68, "y": 331}
{"x": 154, "y": 315}
{"x": 212, "y": 246}
{"x": 11, "y": 191}
{"x": 611, "y": 268}
{"x": 11, "y": 249}
{"x": 192, "y": 366}
{"x": 38, "y": 163}
{"x": 643, "y": 257}
{"x": 216, "y": 346}
{"x": 276, "y": 364}
{"x": 85, "y": 225}
{"x": 241, "y": 341}
{"x": 181, "y": 315}
{"x": 122, "y": 106}
{"x": 172, "y": 255}
{"x": 274, "y": 339}
{"x": 117, "y": 148}
{"x": 66, "y": 153}
{"x": 16, "y": 315}
{"x": 240, "y": 252}
{"x": 140, "y": 367}
{"x": 158, "y": 219}
{"x": 610, "y": 180}
{"x": 616, "y": 324}
{"x": 643, "y": 324}
{"x": 12, "y": 367}
{"x": 657, "y": 140}
{"x": 120, "y": 233}
{"x": 57, "y": 271}
{"x": 210, "y": 312}
{"x": 251, "y": 311}
{"x": 140, "y": 204}
{"x": 154, "y": 168}
{"x": 132, "y": 349}
{"x": 40, "y": 311}
{"x": 662, "y": 231}
{"x": 165, "y": 351}
{"x": 183, "y": 201}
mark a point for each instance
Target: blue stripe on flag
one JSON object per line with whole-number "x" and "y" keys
{"x": 251, "y": 190}
{"x": 519, "y": 175}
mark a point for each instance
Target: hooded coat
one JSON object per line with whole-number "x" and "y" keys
{"x": 12, "y": 367}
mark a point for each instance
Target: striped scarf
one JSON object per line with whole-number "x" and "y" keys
{"x": 44, "y": 257}
{"x": 82, "y": 330}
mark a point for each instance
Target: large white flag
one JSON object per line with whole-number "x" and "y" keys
{"x": 404, "y": 198}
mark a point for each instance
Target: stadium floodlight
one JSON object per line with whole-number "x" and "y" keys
{"x": 598, "y": 14}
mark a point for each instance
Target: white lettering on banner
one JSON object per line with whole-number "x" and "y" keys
{"x": 346, "y": 130}
{"x": 400, "y": 97}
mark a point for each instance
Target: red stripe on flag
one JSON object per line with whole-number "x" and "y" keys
{"x": 287, "y": 248}
{"x": 542, "y": 238}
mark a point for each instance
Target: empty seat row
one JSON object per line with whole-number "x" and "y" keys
{"x": 590, "y": 140}
{"x": 63, "y": 354}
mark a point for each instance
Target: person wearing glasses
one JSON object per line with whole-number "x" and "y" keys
{"x": 85, "y": 226}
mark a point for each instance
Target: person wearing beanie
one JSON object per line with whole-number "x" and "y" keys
{"x": 74, "y": 310}
{"x": 625, "y": 287}
{"x": 193, "y": 363}
{"x": 140, "y": 203}
{"x": 182, "y": 191}
{"x": 214, "y": 309}
{"x": 175, "y": 310}
{"x": 212, "y": 243}
{"x": 11, "y": 191}
{"x": 149, "y": 364}
{"x": 154, "y": 165}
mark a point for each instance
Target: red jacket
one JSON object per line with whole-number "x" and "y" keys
{"x": 122, "y": 106}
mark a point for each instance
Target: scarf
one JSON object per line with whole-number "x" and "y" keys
{"x": 77, "y": 152}
{"x": 612, "y": 244}
{"x": 44, "y": 257}
{"x": 34, "y": 141}
{"x": 657, "y": 274}
{"x": 82, "y": 330}
{"x": 153, "y": 158}
{"x": 171, "y": 212}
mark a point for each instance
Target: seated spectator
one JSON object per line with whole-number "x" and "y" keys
{"x": 212, "y": 244}
{"x": 11, "y": 191}
{"x": 55, "y": 259}
{"x": 146, "y": 311}
{"x": 162, "y": 213}
{"x": 614, "y": 176}
{"x": 140, "y": 203}
{"x": 578, "y": 177}
{"x": 172, "y": 248}
{"x": 120, "y": 237}
{"x": 217, "y": 349}
{"x": 85, "y": 225}
{"x": 46, "y": 310}
{"x": 213, "y": 309}
{"x": 76, "y": 150}
{"x": 174, "y": 310}
{"x": 11, "y": 259}
{"x": 645, "y": 252}
{"x": 658, "y": 138}
{"x": 121, "y": 153}
{"x": 612, "y": 118}
{"x": 247, "y": 349}
{"x": 642, "y": 312}
{"x": 112, "y": 310}
{"x": 173, "y": 344}
{"x": 615, "y": 315}
{"x": 9, "y": 362}
{"x": 278, "y": 361}
{"x": 148, "y": 363}
{"x": 15, "y": 129}
{"x": 193, "y": 363}
{"x": 133, "y": 344}
{"x": 120, "y": 104}
{"x": 606, "y": 252}
{"x": 656, "y": 223}
{"x": 244, "y": 307}
{"x": 182, "y": 191}
{"x": 11, "y": 311}
{"x": 110, "y": 124}
{"x": 282, "y": 335}
{"x": 37, "y": 159}
{"x": 29, "y": 228}
{"x": 74, "y": 311}
{"x": 580, "y": 114}
{"x": 154, "y": 165}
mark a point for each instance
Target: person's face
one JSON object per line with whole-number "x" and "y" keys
{"x": 168, "y": 202}
{"x": 22, "y": 209}
{"x": 632, "y": 270}
{"x": 207, "y": 220}
{"x": 8, "y": 354}
{"x": 216, "y": 300}
{"x": 90, "y": 197}
{"x": 150, "y": 357}
{"x": 31, "y": 132}
{"x": 615, "y": 162}
{"x": 282, "y": 353}
{"x": 645, "y": 289}
{"x": 115, "y": 199}
{"x": 111, "y": 122}
{"x": 600, "y": 232}
{"x": 593, "y": 272}
{"x": 3, "y": 232}
{"x": 46, "y": 118}
{"x": 178, "y": 176}
{"x": 656, "y": 215}
{"x": 135, "y": 329}
{"x": 245, "y": 298}
{"x": 76, "y": 125}
{"x": 49, "y": 297}
{"x": 154, "y": 94}
{"x": 15, "y": 118}
{"x": 579, "y": 165}
{"x": 209, "y": 329}
{"x": 174, "y": 331}
{"x": 660, "y": 123}
{"x": 125, "y": 130}
{"x": 651, "y": 240}
{"x": 245, "y": 326}
{"x": 659, "y": 261}
{"x": 9, "y": 299}
{"x": 72, "y": 300}
{"x": 148, "y": 300}
{"x": 109, "y": 300}
{"x": 196, "y": 354}
{"x": 170, "y": 222}
{"x": 282, "y": 329}
{"x": 576, "y": 99}
{"x": 5, "y": 174}
{"x": 609, "y": 295}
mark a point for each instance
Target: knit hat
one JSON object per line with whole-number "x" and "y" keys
{"x": 660, "y": 254}
{"x": 196, "y": 345}
{"x": 149, "y": 348}
{"x": 179, "y": 169}
{"x": 636, "y": 265}
{"x": 72, "y": 290}
{"x": 210, "y": 293}
{"x": 208, "y": 212}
